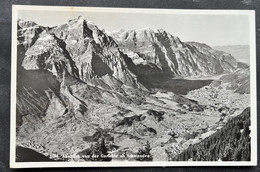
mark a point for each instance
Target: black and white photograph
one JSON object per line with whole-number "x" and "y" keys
{"x": 106, "y": 87}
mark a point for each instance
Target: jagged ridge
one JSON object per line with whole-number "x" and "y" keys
{"x": 170, "y": 55}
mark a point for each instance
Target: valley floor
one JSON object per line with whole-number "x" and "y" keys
{"x": 169, "y": 122}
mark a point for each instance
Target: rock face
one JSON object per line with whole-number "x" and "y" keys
{"x": 170, "y": 56}
{"x": 49, "y": 52}
{"x": 77, "y": 83}
{"x": 82, "y": 50}
{"x": 28, "y": 32}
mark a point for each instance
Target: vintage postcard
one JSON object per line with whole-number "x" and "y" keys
{"x": 103, "y": 87}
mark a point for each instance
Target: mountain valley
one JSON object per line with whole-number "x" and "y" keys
{"x": 77, "y": 83}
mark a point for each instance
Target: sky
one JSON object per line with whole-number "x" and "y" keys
{"x": 206, "y": 28}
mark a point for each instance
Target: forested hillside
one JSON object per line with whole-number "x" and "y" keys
{"x": 231, "y": 143}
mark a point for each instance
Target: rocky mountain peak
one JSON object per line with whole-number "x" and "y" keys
{"x": 77, "y": 19}
{"x": 25, "y": 24}
{"x": 172, "y": 56}
{"x": 146, "y": 35}
{"x": 27, "y": 33}
{"x": 79, "y": 29}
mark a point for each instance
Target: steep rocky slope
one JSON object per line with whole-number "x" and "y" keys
{"x": 27, "y": 33}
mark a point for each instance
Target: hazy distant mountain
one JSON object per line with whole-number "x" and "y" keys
{"x": 240, "y": 52}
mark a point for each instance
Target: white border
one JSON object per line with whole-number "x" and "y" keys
{"x": 253, "y": 95}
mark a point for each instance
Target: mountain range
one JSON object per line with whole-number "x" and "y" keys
{"x": 240, "y": 52}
